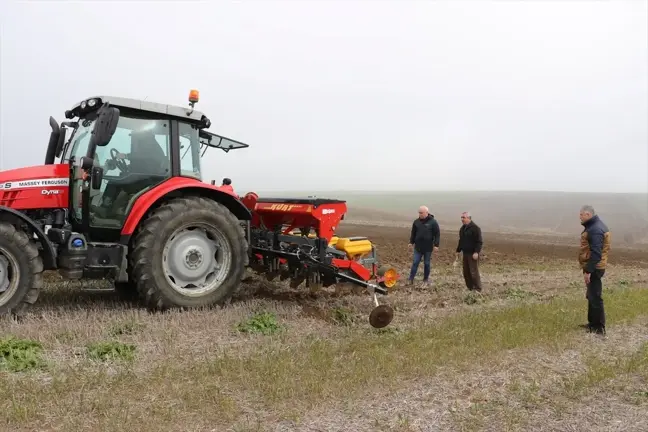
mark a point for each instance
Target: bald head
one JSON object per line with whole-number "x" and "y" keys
{"x": 423, "y": 212}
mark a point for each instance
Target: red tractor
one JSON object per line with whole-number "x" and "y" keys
{"x": 123, "y": 198}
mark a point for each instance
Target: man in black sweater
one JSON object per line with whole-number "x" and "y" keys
{"x": 424, "y": 239}
{"x": 470, "y": 243}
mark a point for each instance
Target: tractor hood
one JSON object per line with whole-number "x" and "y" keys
{"x": 39, "y": 176}
{"x": 36, "y": 187}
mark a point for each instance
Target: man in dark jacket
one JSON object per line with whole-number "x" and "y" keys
{"x": 470, "y": 243}
{"x": 424, "y": 239}
{"x": 592, "y": 257}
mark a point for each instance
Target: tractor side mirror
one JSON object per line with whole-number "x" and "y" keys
{"x": 105, "y": 126}
{"x": 96, "y": 177}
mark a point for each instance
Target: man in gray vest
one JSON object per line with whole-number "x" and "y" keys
{"x": 593, "y": 258}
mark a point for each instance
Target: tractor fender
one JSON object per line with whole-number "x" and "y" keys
{"x": 15, "y": 217}
{"x": 175, "y": 187}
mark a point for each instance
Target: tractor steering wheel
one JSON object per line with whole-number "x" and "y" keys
{"x": 120, "y": 163}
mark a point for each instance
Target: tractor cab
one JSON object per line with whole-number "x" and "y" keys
{"x": 121, "y": 148}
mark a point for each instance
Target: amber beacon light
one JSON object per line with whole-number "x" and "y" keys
{"x": 193, "y": 99}
{"x": 194, "y": 96}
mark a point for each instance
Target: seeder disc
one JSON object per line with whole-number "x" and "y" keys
{"x": 381, "y": 316}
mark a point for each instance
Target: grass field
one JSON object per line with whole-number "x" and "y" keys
{"x": 276, "y": 359}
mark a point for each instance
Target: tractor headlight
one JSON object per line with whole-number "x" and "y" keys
{"x": 84, "y": 108}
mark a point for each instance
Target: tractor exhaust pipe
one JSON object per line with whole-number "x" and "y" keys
{"x": 53, "y": 141}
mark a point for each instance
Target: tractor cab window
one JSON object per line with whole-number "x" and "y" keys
{"x": 189, "y": 151}
{"x": 133, "y": 136}
{"x": 141, "y": 147}
{"x": 136, "y": 159}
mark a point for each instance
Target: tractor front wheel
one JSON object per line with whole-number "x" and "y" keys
{"x": 190, "y": 252}
{"x": 21, "y": 271}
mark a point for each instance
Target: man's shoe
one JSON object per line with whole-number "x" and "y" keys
{"x": 595, "y": 329}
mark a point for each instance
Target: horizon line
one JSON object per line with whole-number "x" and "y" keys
{"x": 410, "y": 191}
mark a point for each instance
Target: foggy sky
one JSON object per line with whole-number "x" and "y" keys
{"x": 515, "y": 95}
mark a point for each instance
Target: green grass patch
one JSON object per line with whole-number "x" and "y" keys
{"x": 18, "y": 355}
{"x": 111, "y": 350}
{"x": 262, "y": 322}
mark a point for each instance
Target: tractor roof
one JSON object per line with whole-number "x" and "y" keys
{"x": 184, "y": 113}
{"x": 208, "y": 139}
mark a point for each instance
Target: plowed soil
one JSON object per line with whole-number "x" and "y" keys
{"x": 503, "y": 249}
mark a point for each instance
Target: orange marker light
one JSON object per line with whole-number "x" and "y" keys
{"x": 193, "y": 96}
{"x": 390, "y": 278}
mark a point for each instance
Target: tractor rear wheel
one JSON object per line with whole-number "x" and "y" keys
{"x": 21, "y": 271}
{"x": 189, "y": 252}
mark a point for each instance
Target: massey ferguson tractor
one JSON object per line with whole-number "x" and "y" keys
{"x": 123, "y": 198}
